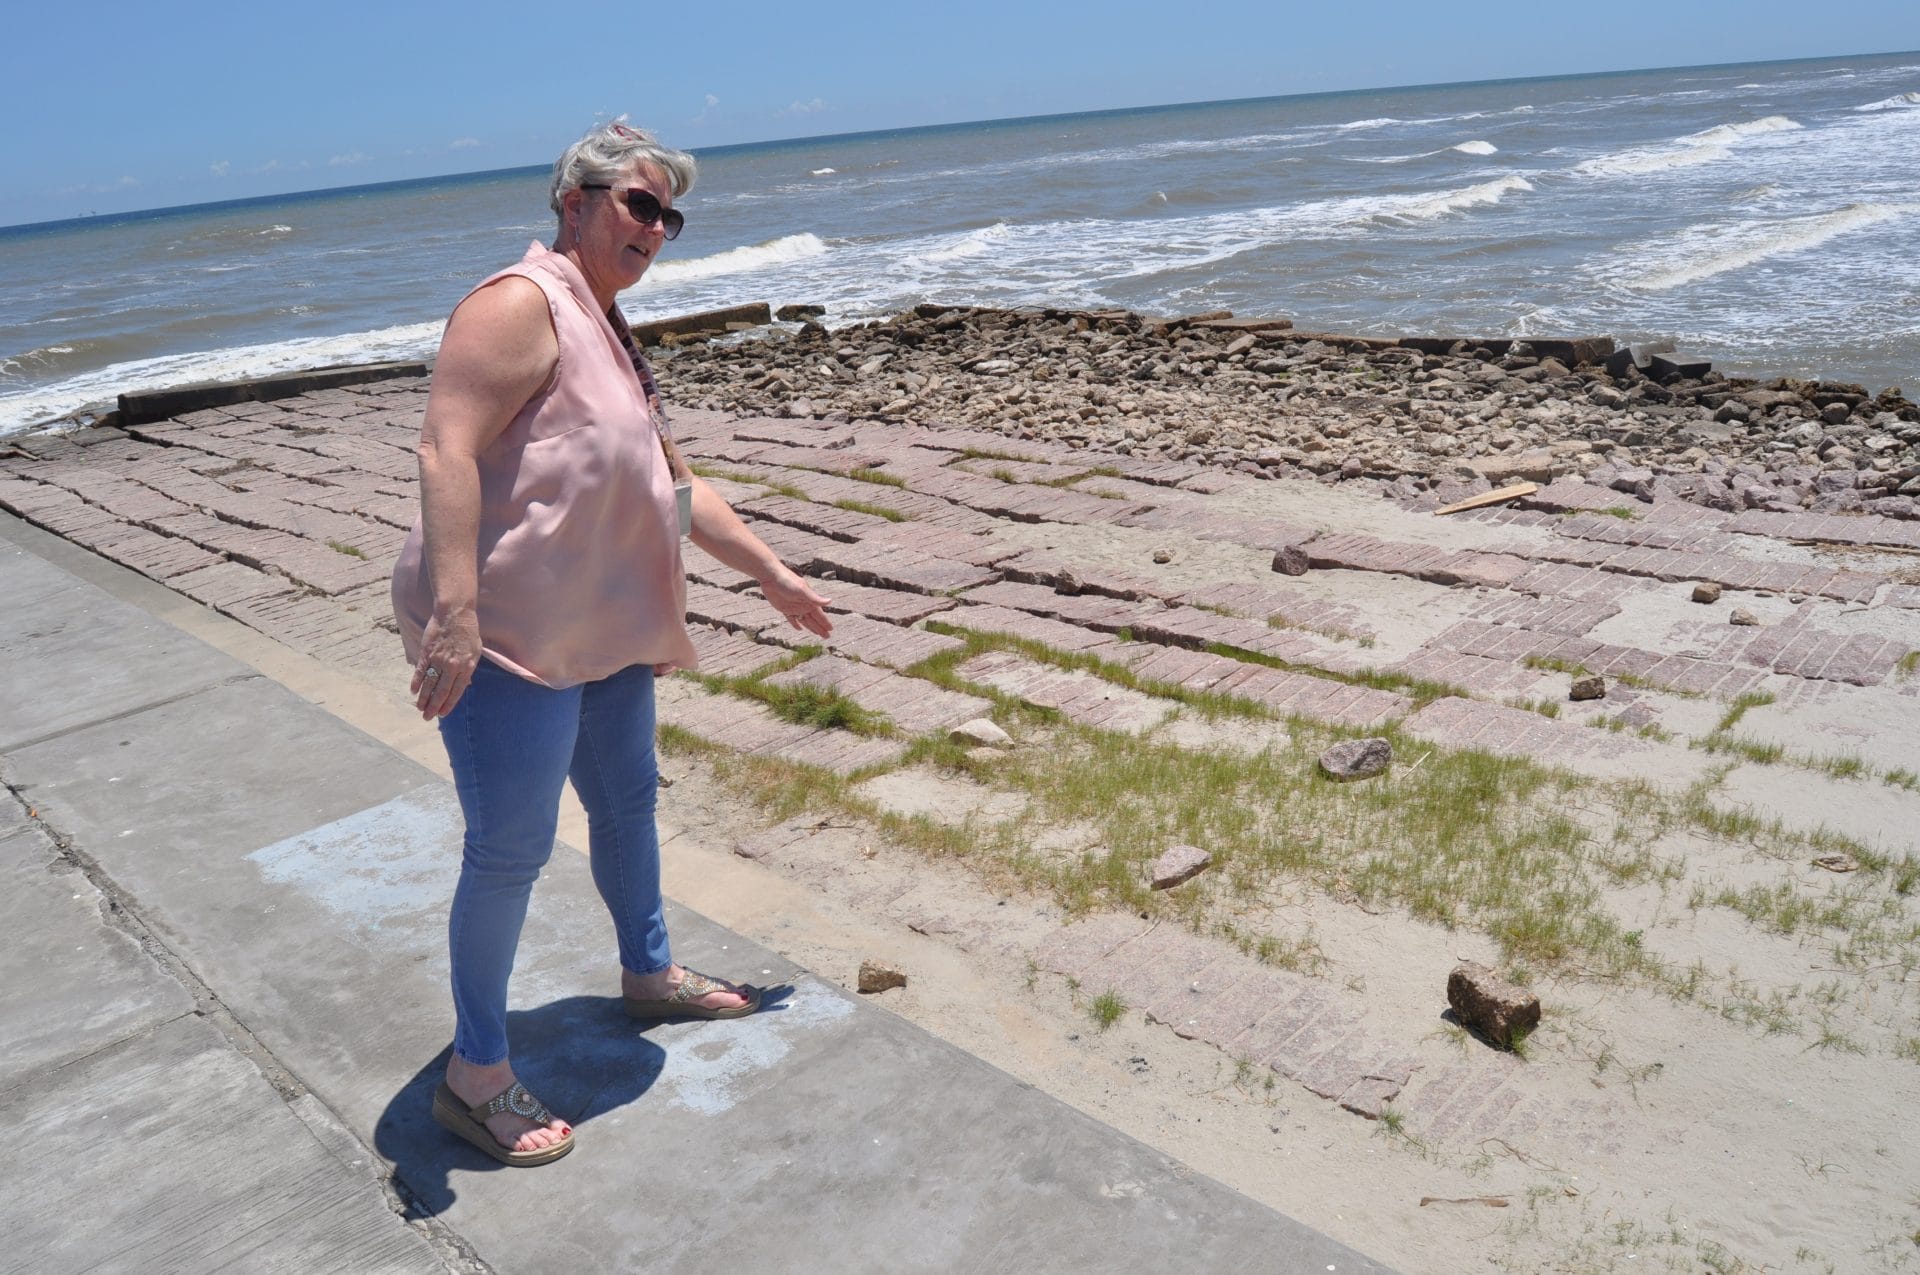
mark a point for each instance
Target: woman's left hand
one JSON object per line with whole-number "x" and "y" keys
{"x": 796, "y": 601}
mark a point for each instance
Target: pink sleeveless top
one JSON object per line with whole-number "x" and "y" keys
{"x": 579, "y": 551}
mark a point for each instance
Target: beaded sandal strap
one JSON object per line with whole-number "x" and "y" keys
{"x": 516, "y": 1100}
{"x": 695, "y": 985}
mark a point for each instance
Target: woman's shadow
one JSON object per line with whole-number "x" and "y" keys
{"x": 579, "y": 1055}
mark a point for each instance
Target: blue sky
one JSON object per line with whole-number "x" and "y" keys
{"x": 113, "y": 106}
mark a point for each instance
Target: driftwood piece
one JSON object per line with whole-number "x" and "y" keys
{"x": 1497, "y": 496}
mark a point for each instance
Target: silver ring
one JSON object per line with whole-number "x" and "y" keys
{"x": 432, "y": 671}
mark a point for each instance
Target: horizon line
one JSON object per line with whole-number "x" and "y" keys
{"x": 139, "y": 214}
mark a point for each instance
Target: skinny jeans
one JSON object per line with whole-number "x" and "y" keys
{"x": 513, "y": 744}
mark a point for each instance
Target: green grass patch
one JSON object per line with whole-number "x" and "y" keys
{"x": 777, "y": 486}
{"x": 1107, "y": 1009}
{"x": 1738, "y": 709}
{"x": 1622, "y": 512}
{"x": 352, "y": 551}
{"x": 866, "y": 507}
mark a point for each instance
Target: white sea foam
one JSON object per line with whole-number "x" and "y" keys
{"x": 275, "y": 230}
{"x": 821, "y": 172}
{"x": 1382, "y": 122}
{"x": 1464, "y": 148}
{"x": 1707, "y": 251}
{"x": 759, "y": 256}
{"x": 1705, "y": 147}
{"x": 1897, "y": 102}
{"x": 1425, "y": 207}
{"x": 33, "y": 407}
{"x": 972, "y": 244}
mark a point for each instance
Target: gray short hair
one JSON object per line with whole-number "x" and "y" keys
{"x": 606, "y": 153}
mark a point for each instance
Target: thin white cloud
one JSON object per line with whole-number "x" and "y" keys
{"x": 463, "y": 143}
{"x": 811, "y": 107}
{"x": 701, "y": 118}
{"x": 346, "y": 161}
{"x": 219, "y": 167}
{"x": 712, "y": 101}
{"x": 128, "y": 181}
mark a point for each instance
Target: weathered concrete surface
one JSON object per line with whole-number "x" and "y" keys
{"x": 169, "y": 1152}
{"x": 299, "y": 871}
{"x": 69, "y": 655}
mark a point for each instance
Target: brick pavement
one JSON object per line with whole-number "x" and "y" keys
{"x": 286, "y": 515}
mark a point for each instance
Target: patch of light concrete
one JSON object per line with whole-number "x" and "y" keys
{"x": 385, "y": 866}
{"x": 709, "y": 1078}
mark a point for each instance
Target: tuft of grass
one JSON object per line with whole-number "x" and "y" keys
{"x": 778, "y": 487}
{"x": 1846, "y": 766}
{"x": 352, "y": 551}
{"x": 1003, "y": 474}
{"x": 1749, "y": 749}
{"x": 865, "y": 507}
{"x": 1908, "y": 663}
{"x": 819, "y": 707}
{"x": 867, "y": 474}
{"x": 1107, "y": 1009}
{"x": 1738, "y": 709}
{"x": 1622, "y": 512}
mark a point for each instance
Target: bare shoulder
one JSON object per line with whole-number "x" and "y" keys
{"x": 498, "y": 351}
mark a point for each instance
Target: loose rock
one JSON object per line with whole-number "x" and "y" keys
{"x": 1743, "y": 616}
{"x": 1356, "y": 759}
{"x": 1290, "y": 560}
{"x": 982, "y": 732}
{"x": 1706, "y": 591}
{"x": 1490, "y": 1005}
{"x": 1178, "y": 864}
{"x": 1591, "y": 687}
{"x": 877, "y": 976}
{"x": 1163, "y": 556}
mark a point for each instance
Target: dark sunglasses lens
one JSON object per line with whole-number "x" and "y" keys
{"x": 645, "y": 208}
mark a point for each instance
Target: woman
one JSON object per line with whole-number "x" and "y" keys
{"x": 538, "y": 595}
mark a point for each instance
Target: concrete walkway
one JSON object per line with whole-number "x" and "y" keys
{"x": 223, "y": 1011}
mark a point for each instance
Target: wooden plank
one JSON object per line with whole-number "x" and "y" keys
{"x": 1494, "y": 497}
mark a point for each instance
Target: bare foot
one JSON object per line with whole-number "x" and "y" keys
{"x": 657, "y": 987}
{"x": 474, "y": 1085}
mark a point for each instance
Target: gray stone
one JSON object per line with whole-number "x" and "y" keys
{"x": 980, "y": 732}
{"x": 1489, "y": 1004}
{"x": 1163, "y": 556}
{"x": 1706, "y": 591}
{"x": 1177, "y": 864}
{"x": 1357, "y": 759}
{"x": 878, "y": 976}
{"x": 1592, "y": 686}
{"x": 1743, "y": 616}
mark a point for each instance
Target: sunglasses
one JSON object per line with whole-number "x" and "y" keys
{"x": 645, "y": 208}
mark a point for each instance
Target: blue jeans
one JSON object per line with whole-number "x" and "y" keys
{"x": 513, "y": 745}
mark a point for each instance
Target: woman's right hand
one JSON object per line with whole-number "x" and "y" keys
{"x": 449, "y": 652}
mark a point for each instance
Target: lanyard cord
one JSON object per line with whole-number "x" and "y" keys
{"x": 661, "y": 428}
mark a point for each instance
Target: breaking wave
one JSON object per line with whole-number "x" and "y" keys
{"x": 1715, "y": 250}
{"x": 759, "y": 256}
{"x": 1696, "y": 148}
{"x": 1894, "y": 103}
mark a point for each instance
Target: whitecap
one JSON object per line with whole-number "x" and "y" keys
{"x": 1897, "y": 102}
{"x": 1379, "y": 123}
{"x": 275, "y": 230}
{"x": 821, "y": 172}
{"x": 1704, "y": 147}
{"x": 972, "y": 244}
{"x": 1425, "y": 207}
{"x": 744, "y": 260}
{"x": 1707, "y": 251}
{"x": 1476, "y": 148}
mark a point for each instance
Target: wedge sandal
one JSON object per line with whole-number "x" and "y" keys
{"x": 692, "y": 987}
{"x": 470, "y": 1123}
